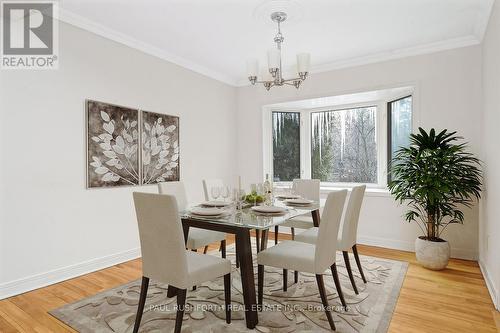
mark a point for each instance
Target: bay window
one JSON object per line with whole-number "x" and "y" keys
{"x": 341, "y": 146}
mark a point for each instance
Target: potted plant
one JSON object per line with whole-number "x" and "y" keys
{"x": 436, "y": 177}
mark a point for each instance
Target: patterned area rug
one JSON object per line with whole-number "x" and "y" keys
{"x": 297, "y": 310}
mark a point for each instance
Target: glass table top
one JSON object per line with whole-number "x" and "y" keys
{"x": 247, "y": 218}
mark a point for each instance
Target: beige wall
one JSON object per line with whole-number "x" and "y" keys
{"x": 51, "y": 226}
{"x": 489, "y": 227}
{"x": 448, "y": 95}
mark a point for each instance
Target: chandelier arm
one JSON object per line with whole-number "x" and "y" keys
{"x": 291, "y": 80}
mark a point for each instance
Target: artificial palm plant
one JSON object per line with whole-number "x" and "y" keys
{"x": 436, "y": 177}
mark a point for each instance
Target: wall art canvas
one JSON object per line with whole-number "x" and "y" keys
{"x": 160, "y": 148}
{"x": 112, "y": 145}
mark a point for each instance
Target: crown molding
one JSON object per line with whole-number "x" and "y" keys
{"x": 103, "y": 31}
{"x": 486, "y": 7}
{"x": 391, "y": 55}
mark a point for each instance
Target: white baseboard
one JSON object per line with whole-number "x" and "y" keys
{"x": 494, "y": 293}
{"x": 57, "y": 275}
{"x": 397, "y": 244}
{"x": 410, "y": 246}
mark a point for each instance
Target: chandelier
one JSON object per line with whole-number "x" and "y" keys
{"x": 274, "y": 76}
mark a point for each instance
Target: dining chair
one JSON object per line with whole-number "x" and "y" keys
{"x": 165, "y": 259}
{"x": 207, "y": 187}
{"x": 348, "y": 233}
{"x": 307, "y": 189}
{"x": 197, "y": 238}
{"x": 312, "y": 258}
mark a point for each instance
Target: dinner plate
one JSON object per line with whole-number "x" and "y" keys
{"x": 203, "y": 211}
{"x": 288, "y": 196}
{"x": 268, "y": 209}
{"x": 299, "y": 202}
{"x": 214, "y": 203}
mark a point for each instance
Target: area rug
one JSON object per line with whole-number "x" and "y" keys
{"x": 297, "y": 310}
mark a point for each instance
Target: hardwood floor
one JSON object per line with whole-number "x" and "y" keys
{"x": 453, "y": 300}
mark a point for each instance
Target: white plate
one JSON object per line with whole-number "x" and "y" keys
{"x": 288, "y": 196}
{"x": 214, "y": 203}
{"x": 268, "y": 209}
{"x": 299, "y": 202}
{"x": 202, "y": 211}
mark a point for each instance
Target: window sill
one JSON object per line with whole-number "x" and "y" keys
{"x": 369, "y": 192}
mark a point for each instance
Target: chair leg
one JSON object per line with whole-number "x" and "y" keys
{"x": 142, "y": 301}
{"x": 295, "y": 273}
{"x": 260, "y": 285}
{"x": 285, "y": 279}
{"x": 276, "y": 230}
{"x": 349, "y": 271}
{"x": 181, "y": 303}
{"x": 358, "y": 262}
{"x": 324, "y": 300}
{"x": 205, "y": 249}
{"x": 237, "y": 260}
{"x": 194, "y": 250}
{"x": 227, "y": 296}
{"x": 337, "y": 285}
{"x": 223, "y": 248}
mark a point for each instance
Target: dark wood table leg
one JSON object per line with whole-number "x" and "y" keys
{"x": 315, "y": 217}
{"x": 257, "y": 239}
{"x": 244, "y": 250}
{"x": 263, "y": 239}
{"x": 172, "y": 291}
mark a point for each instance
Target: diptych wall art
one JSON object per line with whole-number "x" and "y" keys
{"x": 126, "y": 147}
{"x": 160, "y": 148}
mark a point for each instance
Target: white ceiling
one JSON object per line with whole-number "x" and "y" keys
{"x": 216, "y": 37}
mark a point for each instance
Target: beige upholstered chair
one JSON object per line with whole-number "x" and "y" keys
{"x": 197, "y": 237}
{"x": 165, "y": 259}
{"x": 347, "y": 239}
{"x": 207, "y": 187}
{"x": 306, "y": 188}
{"x": 311, "y": 258}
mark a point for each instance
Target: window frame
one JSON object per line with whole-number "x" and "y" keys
{"x": 301, "y": 154}
{"x": 305, "y": 141}
{"x": 389, "y": 128}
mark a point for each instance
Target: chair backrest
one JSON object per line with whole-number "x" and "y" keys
{"x": 307, "y": 188}
{"x": 162, "y": 239}
{"x": 207, "y": 187}
{"x": 326, "y": 245}
{"x": 351, "y": 217}
{"x": 176, "y": 189}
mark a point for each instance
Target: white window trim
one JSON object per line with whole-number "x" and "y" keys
{"x": 305, "y": 140}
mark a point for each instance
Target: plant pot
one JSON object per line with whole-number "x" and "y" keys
{"x": 432, "y": 254}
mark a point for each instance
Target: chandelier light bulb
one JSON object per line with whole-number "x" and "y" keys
{"x": 273, "y": 58}
{"x": 303, "y": 62}
{"x": 252, "y": 67}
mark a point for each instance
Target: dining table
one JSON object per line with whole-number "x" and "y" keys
{"x": 241, "y": 222}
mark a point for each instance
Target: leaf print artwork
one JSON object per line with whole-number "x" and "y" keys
{"x": 160, "y": 148}
{"x": 112, "y": 145}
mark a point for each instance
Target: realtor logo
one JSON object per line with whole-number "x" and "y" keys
{"x": 29, "y": 35}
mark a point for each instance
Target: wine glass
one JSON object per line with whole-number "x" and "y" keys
{"x": 215, "y": 191}
{"x": 225, "y": 191}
